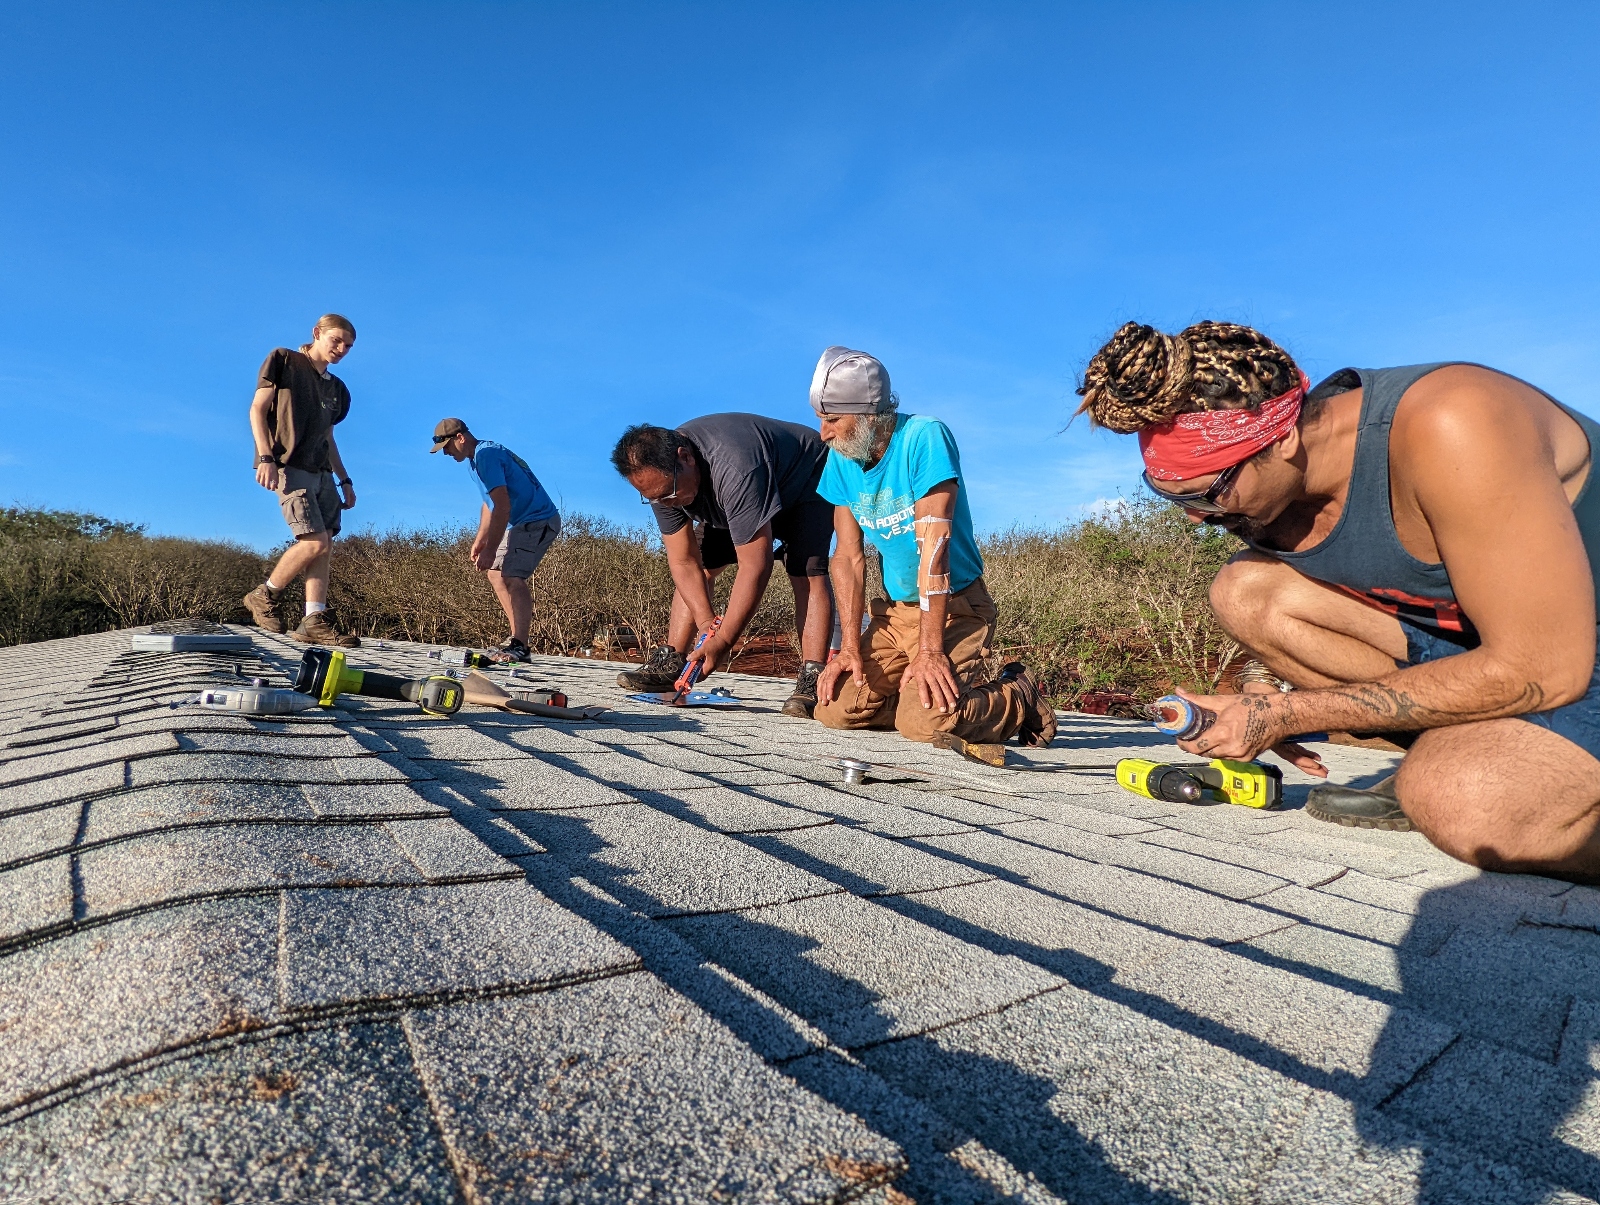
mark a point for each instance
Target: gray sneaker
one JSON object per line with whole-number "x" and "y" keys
{"x": 263, "y": 609}
{"x": 659, "y": 673}
{"x": 318, "y": 629}
{"x": 803, "y": 702}
{"x": 1375, "y": 807}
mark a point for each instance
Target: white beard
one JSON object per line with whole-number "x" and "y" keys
{"x": 859, "y": 446}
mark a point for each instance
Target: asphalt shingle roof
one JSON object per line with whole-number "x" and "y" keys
{"x": 367, "y": 955}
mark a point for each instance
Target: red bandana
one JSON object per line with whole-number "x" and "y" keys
{"x": 1208, "y": 441}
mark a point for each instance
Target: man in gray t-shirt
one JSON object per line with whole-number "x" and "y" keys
{"x": 745, "y": 481}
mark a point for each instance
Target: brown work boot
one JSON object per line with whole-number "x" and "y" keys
{"x": 659, "y": 673}
{"x": 263, "y": 609}
{"x": 317, "y": 628}
{"x": 803, "y": 702}
{"x": 1039, "y": 724}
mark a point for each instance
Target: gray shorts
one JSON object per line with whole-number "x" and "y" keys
{"x": 310, "y": 501}
{"x": 523, "y": 547}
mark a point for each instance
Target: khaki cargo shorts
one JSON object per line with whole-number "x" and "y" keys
{"x": 523, "y": 547}
{"x": 310, "y": 502}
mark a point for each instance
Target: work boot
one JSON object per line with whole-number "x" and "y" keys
{"x": 1039, "y": 724}
{"x": 659, "y": 673}
{"x": 1375, "y": 807}
{"x": 989, "y": 755}
{"x": 317, "y": 628}
{"x": 263, "y": 609}
{"x": 804, "y": 700}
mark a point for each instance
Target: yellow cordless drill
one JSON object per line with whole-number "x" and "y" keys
{"x": 1247, "y": 783}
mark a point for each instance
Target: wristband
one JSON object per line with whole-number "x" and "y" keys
{"x": 347, "y": 481}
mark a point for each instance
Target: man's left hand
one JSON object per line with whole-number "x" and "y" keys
{"x": 349, "y": 496}
{"x": 935, "y": 678}
{"x": 1248, "y": 725}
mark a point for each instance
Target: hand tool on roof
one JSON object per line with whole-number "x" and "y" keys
{"x": 324, "y": 676}
{"x": 720, "y": 697}
{"x": 691, "y": 671}
{"x": 1247, "y": 783}
{"x": 984, "y": 754}
{"x": 254, "y": 700}
{"x": 481, "y": 692}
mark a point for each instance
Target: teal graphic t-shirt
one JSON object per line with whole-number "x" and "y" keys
{"x": 921, "y": 454}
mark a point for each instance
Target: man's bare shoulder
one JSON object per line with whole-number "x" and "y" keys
{"x": 1464, "y": 408}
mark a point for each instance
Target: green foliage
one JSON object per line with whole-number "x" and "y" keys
{"x": 1114, "y": 603}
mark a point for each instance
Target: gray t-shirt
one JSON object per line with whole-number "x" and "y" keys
{"x": 751, "y": 469}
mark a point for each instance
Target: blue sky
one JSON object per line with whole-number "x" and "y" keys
{"x": 555, "y": 220}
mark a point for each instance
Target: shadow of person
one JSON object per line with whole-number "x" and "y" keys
{"x": 1510, "y": 1099}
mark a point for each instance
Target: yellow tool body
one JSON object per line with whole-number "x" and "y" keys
{"x": 1246, "y": 783}
{"x": 324, "y": 675}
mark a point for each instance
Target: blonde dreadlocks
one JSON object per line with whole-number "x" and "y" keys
{"x": 1142, "y": 378}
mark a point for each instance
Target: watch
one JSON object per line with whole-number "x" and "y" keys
{"x": 266, "y": 459}
{"x": 347, "y": 481}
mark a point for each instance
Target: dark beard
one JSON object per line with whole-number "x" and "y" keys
{"x": 1242, "y": 526}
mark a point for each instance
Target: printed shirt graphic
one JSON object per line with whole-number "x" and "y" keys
{"x": 921, "y": 454}
{"x": 493, "y": 465}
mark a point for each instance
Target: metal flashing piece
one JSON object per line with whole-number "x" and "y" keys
{"x": 187, "y": 642}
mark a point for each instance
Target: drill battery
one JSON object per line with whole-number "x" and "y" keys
{"x": 1248, "y": 783}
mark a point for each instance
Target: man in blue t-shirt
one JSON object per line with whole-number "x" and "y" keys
{"x": 516, "y": 526}
{"x": 897, "y": 478}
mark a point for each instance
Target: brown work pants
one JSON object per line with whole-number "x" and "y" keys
{"x": 987, "y": 712}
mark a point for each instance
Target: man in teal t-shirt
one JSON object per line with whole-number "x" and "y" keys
{"x": 897, "y": 478}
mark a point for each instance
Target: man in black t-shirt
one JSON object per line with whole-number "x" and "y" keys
{"x": 296, "y": 406}
{"x": 745, "y": 481}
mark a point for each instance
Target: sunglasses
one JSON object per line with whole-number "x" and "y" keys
{"x": 1204, "y": 501}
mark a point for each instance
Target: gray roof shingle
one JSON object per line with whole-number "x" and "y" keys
{"x": 368, "y": 955}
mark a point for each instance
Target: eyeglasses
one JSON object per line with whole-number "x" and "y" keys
{"x": 1205, "y": 501}
{"x": 664, "y": 497}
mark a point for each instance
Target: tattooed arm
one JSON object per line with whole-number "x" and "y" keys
{"x": 1483, "y": 472}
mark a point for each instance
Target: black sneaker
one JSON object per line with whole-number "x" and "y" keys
{"x": 659, "y": 673}
{"x": 512, "y": 650}
{"x": 804, "y": 700}
{"x": 1375, "y": 807}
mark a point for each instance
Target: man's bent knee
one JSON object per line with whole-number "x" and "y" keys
{"x": 320, "y": 540}
{"x": 1243, "y": 595}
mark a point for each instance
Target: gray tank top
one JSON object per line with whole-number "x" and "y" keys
{"x": 1363, "y": 555}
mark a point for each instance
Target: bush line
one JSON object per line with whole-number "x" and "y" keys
{"x": 1114, "y": 604}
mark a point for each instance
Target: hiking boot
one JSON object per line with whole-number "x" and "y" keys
{"x": 1375, "y": 807}
{"x": 263, "y": 609}
{"x": 804, "y": 700}
{"x": 1039, "y": 724}
{"x": 512, "y": 650}
{"x": 988, "y": 755}
{"x": 659, "y": 673}
{"x": 317, "y": 628}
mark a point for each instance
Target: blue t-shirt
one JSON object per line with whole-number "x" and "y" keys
{"x": 493, "y": 465}
{"x": 921, "y": 454}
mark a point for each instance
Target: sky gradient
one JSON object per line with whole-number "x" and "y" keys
{"x": 556, "y": 220}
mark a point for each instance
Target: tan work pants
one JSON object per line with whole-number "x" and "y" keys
{"x": 988, "y": 712}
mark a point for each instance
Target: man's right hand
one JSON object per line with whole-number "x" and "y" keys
{"x": 267, "y": 475}
{"x": 846, "y": 662}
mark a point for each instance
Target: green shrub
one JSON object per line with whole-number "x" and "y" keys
{"x": 1114, "y": 603}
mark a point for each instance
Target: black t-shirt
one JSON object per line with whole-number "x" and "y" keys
{"x": 751, "y": 469}
{"x": 305, "y": 411}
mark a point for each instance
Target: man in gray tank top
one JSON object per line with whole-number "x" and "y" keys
{"x": 1423, "y": 552}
